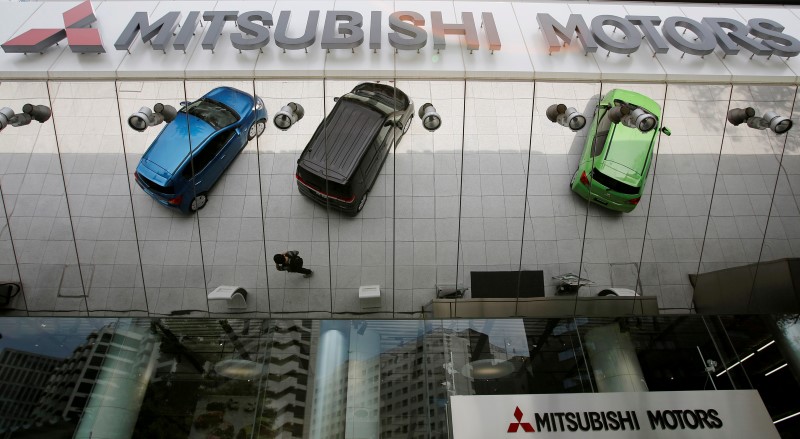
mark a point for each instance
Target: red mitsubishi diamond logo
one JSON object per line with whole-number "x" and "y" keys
{"x": 80, "y": 37}
{"x": 514, "y": 426}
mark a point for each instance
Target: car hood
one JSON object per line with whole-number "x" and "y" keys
{"x": 171, "y": 147}
{"x": 240, "y": 102}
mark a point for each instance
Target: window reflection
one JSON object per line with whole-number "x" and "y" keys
{"x": 187, "y": 378}
{"x": 36, "y": 204}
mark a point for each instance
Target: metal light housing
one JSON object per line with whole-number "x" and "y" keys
{"x": 6, "y": 114}
{"x": 633, "y": 117}
{"x": 146, "y": 117}
{"x": 566, "y": 116}
{"x": 39, "y": 113}
{"x": 737, "y": 116}
{"x": 429, "y": 117}
{"x": 30, "y": 112}
{"x": 288, "y": 115}
{"x": 778, "y": 124}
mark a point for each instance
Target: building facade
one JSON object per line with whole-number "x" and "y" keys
{"x": 571, "y": 176}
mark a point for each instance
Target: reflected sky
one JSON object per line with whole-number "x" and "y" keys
{"x": 55, "y": 337}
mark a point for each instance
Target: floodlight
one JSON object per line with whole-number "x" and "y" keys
{"x": 5, "y": 117}
{"x": 288, "y": 116}
{"x": 641, "y": 120}
{"x": 146, "y": 117}
{"x": 429, "y": 117}
{"x": 566, "y": 116}
{"x": 30, "y": 112}
{"x": 778, "y": 124}
{"x": 39, "y": 113}
{"x": 168, "y": 112}
{"x": 632, "y": 117}
{"x": 736, "y": 116}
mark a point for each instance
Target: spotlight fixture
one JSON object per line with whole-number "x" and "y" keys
{"x": 288, "y": 116}
{"x": 30, "y": 112}
{"x": 429, "y": 117}
{"x": 632, "y": 117}
{"x": 146, "y": 117}
{"x": 778, "y": 124}
{"x": 738, "y": 115}
{"x": 566, "y": 116}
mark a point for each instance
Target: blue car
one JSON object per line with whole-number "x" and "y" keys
{"x": 222, "y": 122}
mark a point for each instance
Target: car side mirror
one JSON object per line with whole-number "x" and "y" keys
{"x": 184, "y": 103}
{"x": 666, "y": 131}
{"x": 336, "y": 99}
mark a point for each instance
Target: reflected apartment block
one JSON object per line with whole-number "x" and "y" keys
{"x": 23, "y": 376}
{"x": 286, "y": 388}
{"x": 73, "y": 382}
{"x": 417, "y": 377}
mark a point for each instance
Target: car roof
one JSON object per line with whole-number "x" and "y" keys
{"x": 628, "y": 148}
{"x": 339, "y": 143}
{"x": 171, "y": 147}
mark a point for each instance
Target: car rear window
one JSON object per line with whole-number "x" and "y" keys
{"x": 168, "y": 190}
{"x": 614, "y": 184}
{"x": 328, "y": 187}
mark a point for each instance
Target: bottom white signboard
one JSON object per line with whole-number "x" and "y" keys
{"x": 706, "y": 414}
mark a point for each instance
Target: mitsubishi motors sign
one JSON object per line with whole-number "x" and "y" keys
{"x": 409, "y": 30}
{"x": 696, "y": 414}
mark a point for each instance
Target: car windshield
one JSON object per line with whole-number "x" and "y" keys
{"x": 217, "y": 115}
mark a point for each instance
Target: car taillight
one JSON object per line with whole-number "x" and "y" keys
{"x": 584, "y": 179}
{"x": 136, "y": 176}
{"x": 176, "y": 201}
{"x": 323, "y": 193}
{"x": 635, "y": 201}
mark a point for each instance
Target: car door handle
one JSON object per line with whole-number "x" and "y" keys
{"x": 198, "y": 182}
{"x": 222, "y": 156}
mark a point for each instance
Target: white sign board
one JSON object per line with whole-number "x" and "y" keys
{"x": 697, "y": 414}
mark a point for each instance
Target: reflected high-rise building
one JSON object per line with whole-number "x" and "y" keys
{"x": 286, "y": 386}
{"x": 23, "y": 376}
{"x": 417, "y": 378}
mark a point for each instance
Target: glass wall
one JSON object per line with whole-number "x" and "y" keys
{"x": 492, "y": 206}
{"x": 186, "y": 378}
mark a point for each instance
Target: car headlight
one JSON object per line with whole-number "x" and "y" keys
{"x": 259, "y": 104}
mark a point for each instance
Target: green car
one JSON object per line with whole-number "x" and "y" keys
{"x": 613, "y": 168}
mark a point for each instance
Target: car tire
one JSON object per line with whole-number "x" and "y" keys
{"x": 199, "y": 202}
{"x": 607, "y": 293}
{"x": 362, "y": 202}
{"x": 256, "y": 129}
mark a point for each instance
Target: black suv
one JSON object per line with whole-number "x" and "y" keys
{"x": 341, "y": 162}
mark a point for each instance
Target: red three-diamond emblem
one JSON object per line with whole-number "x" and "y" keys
{"x": 515, "y": 426}
{"x": 81, "y": 39}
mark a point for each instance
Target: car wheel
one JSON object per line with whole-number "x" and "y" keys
{"x": 256, "y": 129}
{"x": 362, "y": 202}
{"x": 607, "y": 293}
{"x": 198, "y": 202}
